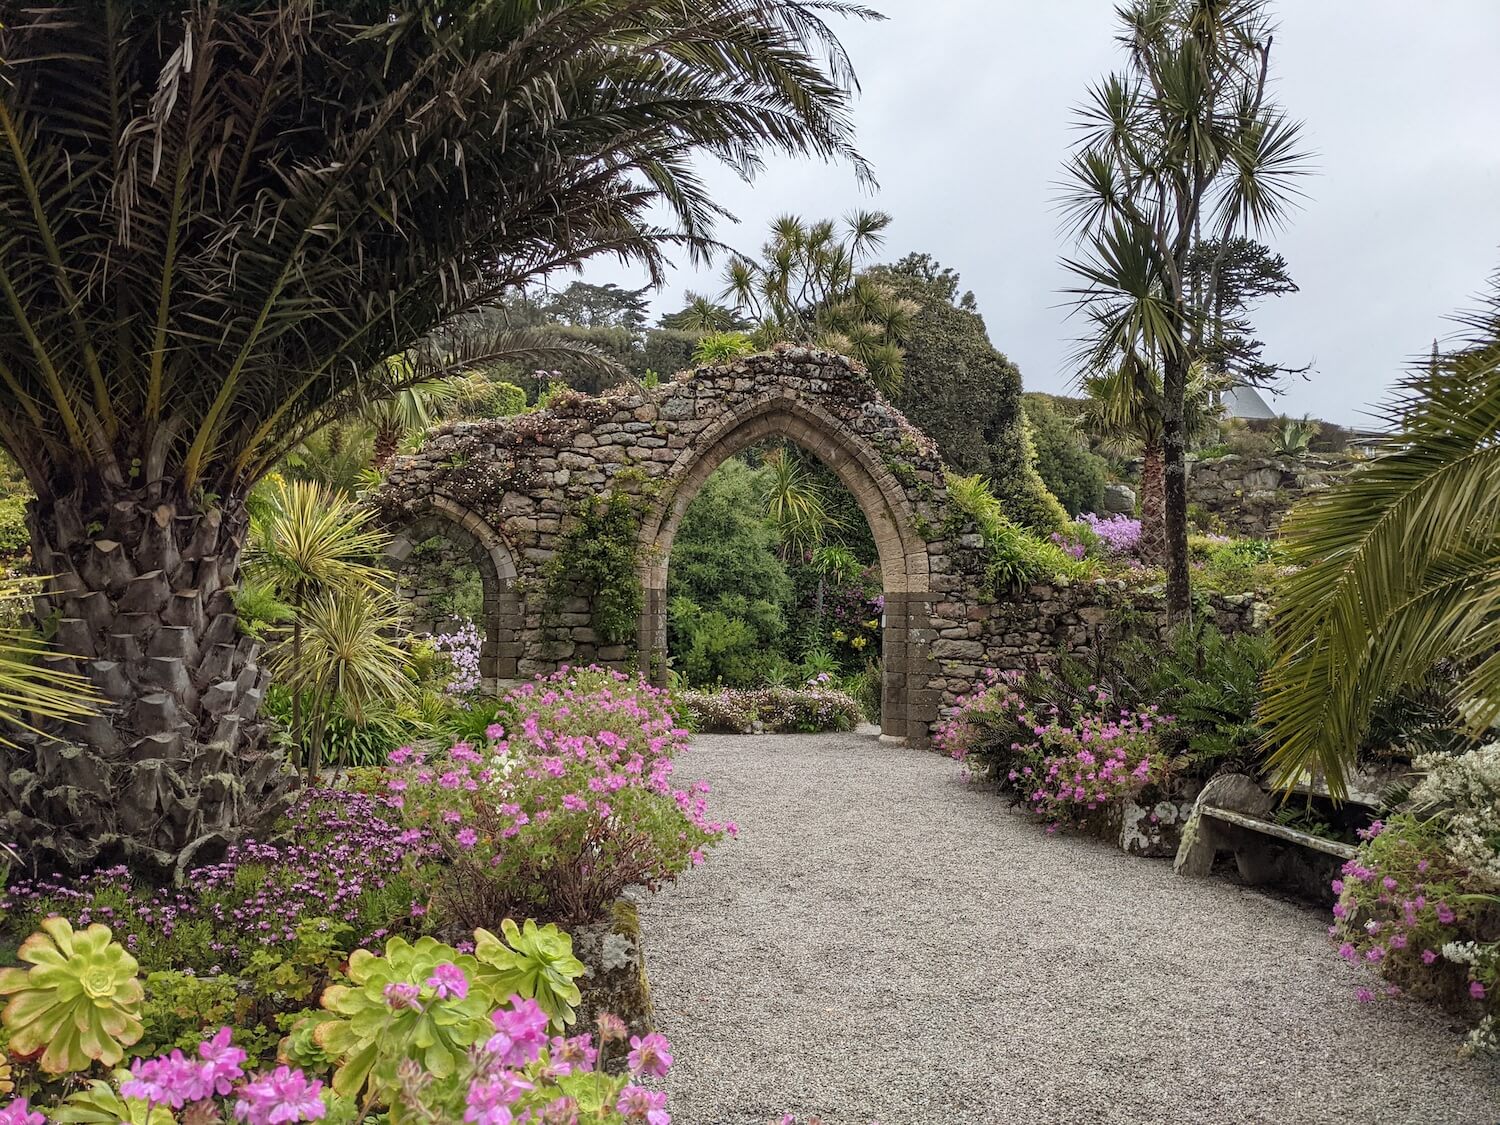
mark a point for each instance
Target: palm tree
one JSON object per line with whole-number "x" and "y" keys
{"x": 345, "y": 657}
{"x": 413, "y": 408}
{"x": 1399, "y": 569}
{"x": 218, "y": 220}
{"x": 807, "y": 290}
{"x": 795, "y": 508}
{"x": 1183, "y": 148}
{"x": 1125, "y": 411}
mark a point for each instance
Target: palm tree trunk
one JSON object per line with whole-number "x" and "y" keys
{"x": 387, "y": 444}
{"x": 170, "y": 768}
{"x": 1153, "y": 543}
{"x": 1174, "y": 450}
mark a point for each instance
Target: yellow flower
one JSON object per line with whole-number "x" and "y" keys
{"x": 859, "y": 642}
{"x": 840, "y": 635}
{"x": 873, "y": 623}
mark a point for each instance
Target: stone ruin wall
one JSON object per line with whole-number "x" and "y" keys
{"x": 508, "y": 489}
{"x": 513, "y": 486}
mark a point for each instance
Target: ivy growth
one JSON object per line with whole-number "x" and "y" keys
{"x": 597, "y": 559}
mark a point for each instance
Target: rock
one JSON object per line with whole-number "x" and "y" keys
{"x": 614, "y": 978}
{"x": 1119, "y": 499}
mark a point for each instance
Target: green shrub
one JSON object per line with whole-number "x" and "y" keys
{"x": 778, "y": 710}
{"x": 1015, "y": 558}
{"x": 1074, "y": 474}
{"x": 596, "y": 559}
{"x": 15, "y": 540}
{"x": 1235, "y": 566}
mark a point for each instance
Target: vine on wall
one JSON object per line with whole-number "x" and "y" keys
{"x": 596, "y": 559}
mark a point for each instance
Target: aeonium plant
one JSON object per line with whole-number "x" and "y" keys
{"x": 79, "y": 1002}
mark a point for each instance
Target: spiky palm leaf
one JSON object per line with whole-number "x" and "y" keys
{"x": 805, "y": 289}
{"x": 309, "y": 540}
{"x": 218, "y": 220}
{"x": 1399, "y": 569}
{"x": 795, "y": 508}
{"x": 347, "y": 660}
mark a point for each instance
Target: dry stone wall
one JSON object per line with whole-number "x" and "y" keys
{"x": 1045, "y": 621}
{"x": 1250, "y": 495}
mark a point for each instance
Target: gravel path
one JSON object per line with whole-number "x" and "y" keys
{"x": 886, "y": 943}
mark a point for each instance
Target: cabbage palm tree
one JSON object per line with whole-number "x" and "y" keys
{"x": 309, "y": 542}
{"x": 1399, "y": 569}
{"x": 806, "y": 289}
{"x": 1184, "y": 147}
{"x": 218, "y": 220}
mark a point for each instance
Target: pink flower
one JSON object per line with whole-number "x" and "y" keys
{"x": 640, "y": 1104}
{"x": 1364, "y": 995}
{"x": 1445, "y": 914}
{"x": 448, "y": 981}
{"x": 170, "y": 1080}
{"x": 651, "y": 1054}
{"x": 285, "y": 1095}
{"x": 611, "y": 1028}
{"x": 18, "y": 1113}
{"x": 577, "y": 1052}
{"x": 1347, "y": 952}
{"x": 1476, "y": 990}
{"x": 401, "y": 995}
{"x": 467, "y": 837}
{"x": 489, "y": 1099}
{"x": 1428, "y": 956}
{"x": 222, "y": 1062}
{"x": 494, "y": 732}
{"x": 520, "y": 1032}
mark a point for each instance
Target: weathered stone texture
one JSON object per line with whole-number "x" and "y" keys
{"x": 1250, "y": 495}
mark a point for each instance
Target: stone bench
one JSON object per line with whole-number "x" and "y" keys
{"x": 1233, "y": 814}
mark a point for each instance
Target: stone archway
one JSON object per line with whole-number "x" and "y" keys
{"x": 500, "y": 618}
{"x": 535, "y": 475}
{"x": 902, "y": 552}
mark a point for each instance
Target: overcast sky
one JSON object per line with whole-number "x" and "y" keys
{"x": 965, "y": 115}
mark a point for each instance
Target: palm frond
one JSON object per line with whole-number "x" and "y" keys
{"x": 1399, "y": 568}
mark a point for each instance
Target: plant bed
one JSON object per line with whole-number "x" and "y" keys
{"x": 360, "y": 900}
{"x": 774, "y": 710}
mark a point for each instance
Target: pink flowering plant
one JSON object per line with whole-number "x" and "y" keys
{"x": 1418, "y": 905}
{"x": 570, "y": 800}
{"x": 1064, "y": 767}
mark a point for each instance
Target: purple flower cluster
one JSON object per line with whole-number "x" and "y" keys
{"x": 461, "y": 649}
{"x": 342, "y": 848}
{"x": 1121, "y": 534}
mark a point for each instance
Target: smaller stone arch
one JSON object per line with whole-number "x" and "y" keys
{"x": 500, "y": 616}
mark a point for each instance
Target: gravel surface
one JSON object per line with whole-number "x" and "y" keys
{"x": 885, "y": 943}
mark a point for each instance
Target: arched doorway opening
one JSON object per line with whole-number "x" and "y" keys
{"x": 902, "y": 553}
{"x": 449, "y": 566}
